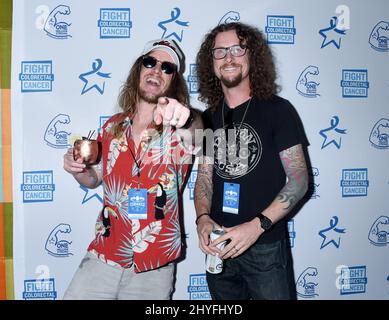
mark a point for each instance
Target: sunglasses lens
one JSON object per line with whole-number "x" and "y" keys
{"x": 149, "y": 62}
{"x": 168, "y": 67}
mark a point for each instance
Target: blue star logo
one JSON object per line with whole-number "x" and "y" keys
{"x": 332, "y": 134}
{"x": 332, "y": 34}
{"x": 94, "y": 78}
{"x": 175, "y": 26}
{"x": 88, "y": 196}
{"x": 331, "y": 234}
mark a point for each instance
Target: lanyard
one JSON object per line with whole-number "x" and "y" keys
{"x": 138, "y": 164}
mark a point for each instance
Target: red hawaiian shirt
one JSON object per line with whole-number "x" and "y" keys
{"x": 163, "y": 164}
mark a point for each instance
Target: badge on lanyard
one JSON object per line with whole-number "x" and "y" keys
{"x": 137, "y": 203}
{"x": 231, "y": 197}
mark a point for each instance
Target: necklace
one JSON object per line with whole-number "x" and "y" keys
{"x": 244, "y": 115}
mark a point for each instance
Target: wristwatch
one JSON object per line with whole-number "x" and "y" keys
{"x": 266, "y": 223}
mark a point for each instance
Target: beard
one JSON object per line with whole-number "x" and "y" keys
{"x": 231, "y": 82}
{"x": 150, "y": 97}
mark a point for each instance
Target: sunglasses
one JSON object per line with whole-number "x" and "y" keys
{"x": 150, "y": 62}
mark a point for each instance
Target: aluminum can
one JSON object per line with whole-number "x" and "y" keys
{"x": 214, "y": 264}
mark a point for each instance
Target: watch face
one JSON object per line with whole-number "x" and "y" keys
{"x": 266, "y": 223}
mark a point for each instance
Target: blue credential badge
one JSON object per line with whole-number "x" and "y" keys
{"x": 231, "y": 198}
{"x": 137, "y": 203}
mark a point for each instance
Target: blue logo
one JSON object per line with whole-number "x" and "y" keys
{"x": 56, "y": 137}
{"x": 305, "y": 285}
{"x": 280, "y": 29}
{"x": 379, "y": 232}
{"x": 353, "y": 280}
{"x": 379, "y": 36}
{"x": 332, "y": 134}
{"x": 292, "y": 233}
{"x": 191, "y": 184}
{"x": 114, "y": 23}
{"x": 173, "y": 27}
{"x": 331, "y": 234}
{"x": 103, "y": 120}
{"x": 379, "y": 136}
{"x": 36, "y": 76}
{"x": 354, "y": 183}
{"x": 94, "y": 78}
{"x": 88, "y": 196}
{"x": 332, "y": 34}
{"x": 229, "y": 17}
{"x": 39, "y": 289}
{"x": 55, "y": 25}
{"x": 231, "y": 197}
{"x": 38, "y": 186}
{"x": 354, "y": 83}
{"x": 193, "y": 79}
{"x": 305, "y": 85}
{"x": 56, "y": 244}
{"x": 198, "y": 287}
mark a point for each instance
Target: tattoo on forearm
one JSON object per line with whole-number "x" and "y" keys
{"x": 204, "y": 186}
{"x": 295, "y": 168}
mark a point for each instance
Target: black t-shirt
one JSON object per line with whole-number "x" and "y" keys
{"x": 271, "y": 127}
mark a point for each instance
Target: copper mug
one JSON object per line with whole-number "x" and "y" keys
{"x": 88, "y": 150}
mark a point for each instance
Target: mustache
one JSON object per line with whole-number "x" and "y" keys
{"x": 235, "y": 65}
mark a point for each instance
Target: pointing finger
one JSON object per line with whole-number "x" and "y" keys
{"x": 158, "y": 114}
{"x": 162, "y": 101}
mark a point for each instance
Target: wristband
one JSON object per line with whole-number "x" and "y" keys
{"x": 203, "y": 214}
{"x": 189, "y": 120}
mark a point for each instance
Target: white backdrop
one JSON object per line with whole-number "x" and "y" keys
{"x": 69, "y": 59}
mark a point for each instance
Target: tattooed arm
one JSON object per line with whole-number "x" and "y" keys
{"x": 202, "y": 199}
{"x": 295, "y": 168}
{"x": 245, "y": 234}
{"x": 203, "y": 187}
{"x": 90, "y": 177}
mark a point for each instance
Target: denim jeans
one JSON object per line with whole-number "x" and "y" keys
{"x": 264, "y": 271}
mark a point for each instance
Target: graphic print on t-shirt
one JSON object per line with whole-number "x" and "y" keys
{"x": 238, "y": 153}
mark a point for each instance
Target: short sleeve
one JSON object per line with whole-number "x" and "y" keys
{"x": 288, "y": 130}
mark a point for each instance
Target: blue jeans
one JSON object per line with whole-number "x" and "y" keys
{"x": 264, "y": 271}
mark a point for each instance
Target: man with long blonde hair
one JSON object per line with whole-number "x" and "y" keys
{"x": 146, "y": 152}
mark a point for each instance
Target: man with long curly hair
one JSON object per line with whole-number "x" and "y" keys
{"x": 146, "y": 153}
{"x": 257, "y": 171}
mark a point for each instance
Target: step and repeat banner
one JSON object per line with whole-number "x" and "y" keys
{"x": 69, "y": 59}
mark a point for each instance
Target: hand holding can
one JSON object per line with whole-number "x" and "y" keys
{"x": 213, "y": 263}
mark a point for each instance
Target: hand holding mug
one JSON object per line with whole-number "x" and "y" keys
{"x": 88, "y": 150}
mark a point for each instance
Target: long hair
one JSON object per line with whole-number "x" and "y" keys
{"x": 129, "y": 94}
{"x": 262, "y": 73}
